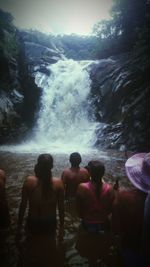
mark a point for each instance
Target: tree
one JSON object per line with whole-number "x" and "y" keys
{"x": 128, "y": 28}
{"x": 129, "y": 18}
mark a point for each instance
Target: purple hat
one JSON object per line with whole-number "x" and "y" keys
{"x": 138, "y": 171}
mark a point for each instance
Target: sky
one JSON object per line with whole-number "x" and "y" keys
{"x": 58, "y": 16}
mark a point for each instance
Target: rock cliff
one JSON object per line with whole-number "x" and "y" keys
{"x": 121, "y": 96}
{"x": 20, "y": 58}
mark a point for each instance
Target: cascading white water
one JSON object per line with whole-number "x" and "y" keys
{"x": 63, "y": 120}
{"x": 64, "y": 123}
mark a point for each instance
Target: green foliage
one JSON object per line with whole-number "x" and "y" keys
{"x": 6, "y": 21}
{"x": 129, "y": 28}
{"x": 104, "y": 29}
{"x": 8, "y": 42}
{"x": 129, "y": 15}
{"x": 9, "y": 45}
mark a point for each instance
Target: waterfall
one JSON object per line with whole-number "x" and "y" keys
{"x": 63, "y": 120}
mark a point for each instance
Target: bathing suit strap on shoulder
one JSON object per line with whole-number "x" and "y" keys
{"x": 106, "y": 188}
{"x": 88, "y": 185}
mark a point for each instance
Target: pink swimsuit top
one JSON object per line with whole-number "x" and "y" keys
{"x": 99, "y": 208}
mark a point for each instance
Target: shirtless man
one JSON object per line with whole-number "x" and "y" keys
{"x": 43, "y": 194}
{"x": 74, "y": 175}
{"x": 4, "y": 213}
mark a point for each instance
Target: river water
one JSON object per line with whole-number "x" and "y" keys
{"x": 18, "y": 165}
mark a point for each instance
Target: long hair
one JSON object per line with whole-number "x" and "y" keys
{"x": 97, "y": 170}
{"x": 43, "y": 171}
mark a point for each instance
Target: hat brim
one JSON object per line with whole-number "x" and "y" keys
{"x": 135, "y": 174}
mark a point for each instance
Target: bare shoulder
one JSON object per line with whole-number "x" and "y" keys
{"x": 57, "y": 183}
{"x": 110, "y": 189}
{"x": 30, "y": 181}
{"x": 84, "y": 170}
{"x": 66, "y": 171}
{"x": 82, "y": 187}
{"x": 121, "y": 197}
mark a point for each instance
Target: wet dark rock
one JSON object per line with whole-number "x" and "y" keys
{"x": 120, "y": 96}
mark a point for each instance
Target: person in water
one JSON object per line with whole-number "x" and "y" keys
{"x": 94, "y": 206}
{"x": 44, "y": 194}
{"x": 146, "y": 230}
{"x": 128, "y": 210}
{"x": 4, "y": 219}
{"x": 4, "y": 212}
{"x": 73, "y": 176}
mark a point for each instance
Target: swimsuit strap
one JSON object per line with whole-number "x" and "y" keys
{"x": 105, "y": 187}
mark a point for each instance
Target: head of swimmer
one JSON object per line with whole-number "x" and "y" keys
{"x": 75, "y": 159}
{"x": 44, "y": 165}
{"x": 96, "y": 169}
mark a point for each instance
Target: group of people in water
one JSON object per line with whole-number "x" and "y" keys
{"x": 110, "y": 216}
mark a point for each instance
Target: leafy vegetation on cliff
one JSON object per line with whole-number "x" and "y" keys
{"x": 9, "y": 46}
{"x": 129, "y": 28}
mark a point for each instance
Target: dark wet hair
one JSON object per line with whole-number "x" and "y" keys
{"x": 75, "y": 159}
{"x": 43, "y": 170}
{"x": 97, "y": 170}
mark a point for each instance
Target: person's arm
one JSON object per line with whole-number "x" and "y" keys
{"x": 61, "y": 205}
{"x": 79, "y": 201}
{"x": 23, "y": 205}
{"x": 63, "y": 179}
{"x": 111, "y": 199}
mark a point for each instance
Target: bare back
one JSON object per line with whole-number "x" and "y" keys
{"x": 91, "y": 208}
{"x": 43, "y": 204}
{"x": 72, "y": 177}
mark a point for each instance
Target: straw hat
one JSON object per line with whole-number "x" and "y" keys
{"x": 138, "y": 171}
